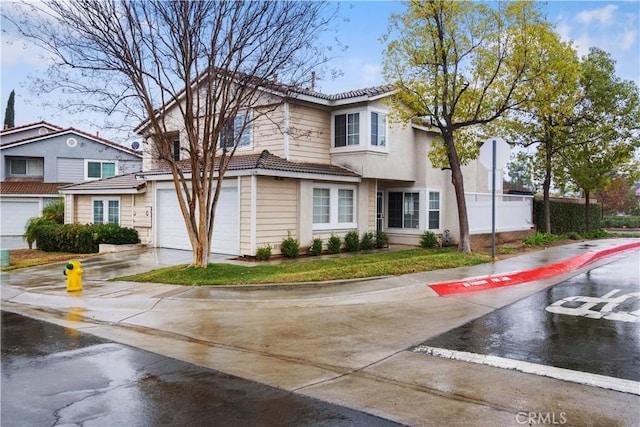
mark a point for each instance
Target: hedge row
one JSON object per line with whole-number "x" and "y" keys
{"x": 82, "y": 239}
{"x": 621, "y": 222}
{"x": 567, "y": 217}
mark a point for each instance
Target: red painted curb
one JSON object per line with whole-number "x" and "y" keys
{"x": 508, "y": 279}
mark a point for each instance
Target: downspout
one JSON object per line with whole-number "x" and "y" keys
{"x": 286, "y": 130}
{"x": 253, "y": 213}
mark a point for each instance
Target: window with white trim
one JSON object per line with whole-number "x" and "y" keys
{"x": 26, "y": 167}
{"x": 334, "y": 207}
{"x": 403, "y": 209}
{"x": 378, "y": 129}
{"x": 346, "y": 129}
{"x": 106, "y": 211}
{"x": 433, "y": 211}
{"x": 97, "y": 169}
{"x": 237, "y": 131}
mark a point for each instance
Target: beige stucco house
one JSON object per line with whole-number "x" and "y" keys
{"x": 314, "y": 166}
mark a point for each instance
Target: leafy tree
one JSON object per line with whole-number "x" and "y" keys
{"x": 10, "y": 113}
{"x": 460, "y": 65}
{"x": 521, "y": 170}
{"x": 604, "y": 138}
{"x": 543, "y": 122}
{"x": 53, "y": 213}
{"x": 618, "y": 196}
{"x": 186, "y": 66}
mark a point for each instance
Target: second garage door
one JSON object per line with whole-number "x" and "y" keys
{"x": 172, "y": 232}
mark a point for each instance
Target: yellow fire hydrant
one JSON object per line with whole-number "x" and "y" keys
{"x": 74, "y": 271}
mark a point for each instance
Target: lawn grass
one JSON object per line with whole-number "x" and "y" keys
{"x": 340, "y": 268}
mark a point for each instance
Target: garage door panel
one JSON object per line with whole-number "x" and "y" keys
{"x": 172, "y": 232}
{"x": 14, "y": 216}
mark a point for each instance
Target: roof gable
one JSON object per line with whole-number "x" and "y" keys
{"x": 70, "y": 132}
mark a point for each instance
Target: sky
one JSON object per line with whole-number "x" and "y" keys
{"x": 613, "y": 26}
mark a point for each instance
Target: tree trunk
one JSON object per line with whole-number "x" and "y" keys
{"x": 546, "y": 202}
{"x": 587, "y": 214}
{"x": 458, "y": 184}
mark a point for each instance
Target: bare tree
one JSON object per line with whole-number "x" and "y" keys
{"x": 188, "y": 66}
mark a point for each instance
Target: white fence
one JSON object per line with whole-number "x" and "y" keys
{"x": 513, "y": 213}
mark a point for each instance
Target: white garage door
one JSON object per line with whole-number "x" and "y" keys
{"x": 172, "y": 232}
{"x": 14, "y": 216}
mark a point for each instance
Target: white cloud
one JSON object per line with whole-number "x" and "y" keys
{"x": 628, "y": 39}
{"x": 371, "y": 74}
{"x": 604, "y": 15}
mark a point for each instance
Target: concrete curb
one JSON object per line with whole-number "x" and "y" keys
{"x": 516, "y": 278}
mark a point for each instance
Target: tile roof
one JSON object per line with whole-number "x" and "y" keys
{"x": 370, "y": 91}
{"x": 266, "y": 161}
{"x": 118, "y": 182}
{"x": 30, "y": 187}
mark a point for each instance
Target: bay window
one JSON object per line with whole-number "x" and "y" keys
{"x": 378, "y": 129}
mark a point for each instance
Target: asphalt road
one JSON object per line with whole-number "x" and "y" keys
{"x": 589, "y": 323}
{"x": 58, "y": 376}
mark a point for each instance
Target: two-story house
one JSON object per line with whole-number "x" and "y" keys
{"x": 37, "y": 159}
{"x": 314, "y": 166}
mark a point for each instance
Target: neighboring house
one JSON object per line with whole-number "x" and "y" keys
{"x": 318, "y": 165}
{"x": 39, "y": 158}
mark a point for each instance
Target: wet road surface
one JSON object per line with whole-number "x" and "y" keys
{"x": 58, "y": 376}
{"x": 589, "y": 323}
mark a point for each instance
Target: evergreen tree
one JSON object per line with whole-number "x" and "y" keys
{"x": 9, "y": 113}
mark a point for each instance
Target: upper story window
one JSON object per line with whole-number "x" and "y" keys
{"x": 358, "y": 130}
{"x": 176, "y": 149}
{"x": 96, "y": 169}
{"x": 26, "y": 167}
{"x": 378, "y": 129}
{"x": 347, "y": 129}
{"x": 237, "y": 131}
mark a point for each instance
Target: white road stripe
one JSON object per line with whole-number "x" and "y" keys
{"x": 587, "y": 378}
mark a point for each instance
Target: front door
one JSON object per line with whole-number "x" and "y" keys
{"x": 379, "y": 212}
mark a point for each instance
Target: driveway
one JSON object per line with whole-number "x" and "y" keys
{"x": 344, "y": 344}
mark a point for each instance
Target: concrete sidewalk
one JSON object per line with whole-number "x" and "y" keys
{"x": 342, "y": 343}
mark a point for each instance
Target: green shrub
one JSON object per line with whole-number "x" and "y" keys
{"x": 352, "y": 241}
{"x": 316, "y": 247}
{"x": 572, "y": 235}
{"x": 620, "y": 222}
{"x": 382, "y": 240}
{"x": 368, "y": 241}
{"x": 334, "y": 244}
{"x": 82, "y": 239}
{"x": 45, "y": 237}
{"x": 566, "y": 216}
{"x": 428, "y": 240}
{"x": 263, "y": 253}
{"x": 539, "y": 239}
{"x": 596, "y": 234}
{"x": 290, "y": 247}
